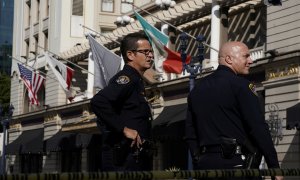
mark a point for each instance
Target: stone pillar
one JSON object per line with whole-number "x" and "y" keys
{"x": 224, "y": 25}
{"x": 215, "y": 34}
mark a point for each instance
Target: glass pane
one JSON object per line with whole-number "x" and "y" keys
{"x": 106, "y": 31}
{"x": 77, "y": 8}
{"x": 107, "y": 5}
{"x": 144, "y": 2}
{"x": 125, "y": 7}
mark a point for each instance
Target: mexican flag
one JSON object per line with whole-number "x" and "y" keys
{"x": 165, "y": 59}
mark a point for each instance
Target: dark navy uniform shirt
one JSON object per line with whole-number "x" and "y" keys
{"x": 123, "y": 103}
{"x": 225, "y": 105}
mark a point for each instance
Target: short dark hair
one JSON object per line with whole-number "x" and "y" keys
{"x": 129, "y": 42}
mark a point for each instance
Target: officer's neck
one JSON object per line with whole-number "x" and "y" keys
{"x": 140, "y": 70}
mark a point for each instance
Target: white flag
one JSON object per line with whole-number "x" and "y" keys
{"x": 63, "y": 74}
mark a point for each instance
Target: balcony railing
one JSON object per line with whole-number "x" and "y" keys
{"x": 45, "y": 24}
{"x": 36, "y": 28}
{"x": 26, "y": 33}
{"x": 257, "y": 53}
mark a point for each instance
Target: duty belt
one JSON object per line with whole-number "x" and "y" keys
{"x": 217, "y": 149}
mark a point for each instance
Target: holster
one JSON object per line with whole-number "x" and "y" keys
{"x": 228, "y": 147}
{"x": 196, "y": 156}
{"x": 120, "y": 152}
{"x": 253, "y": 160}
{"x": 253, "y": 156}
{"x": 147, "y": 149}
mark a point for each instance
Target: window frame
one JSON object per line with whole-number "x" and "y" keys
{"x": 77, "y": 11}
{"x": 112, "y": 8}
{"x": 123, "y": 2}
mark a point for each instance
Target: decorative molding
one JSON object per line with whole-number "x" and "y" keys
{"x": 87, "y": 124}
{"x": 87, "y": 118}
{"x": 85, "y": 111}
{"x": 52, "y": 117}
{"x": 82, "y": 127}
{"x": 153, "y": 96}
{"x": 282, "y": 71}
{"x": 15, "y": 127}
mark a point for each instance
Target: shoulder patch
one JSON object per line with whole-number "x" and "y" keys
{"x": 123, "y": 80}
{"x": 252, "y": 88}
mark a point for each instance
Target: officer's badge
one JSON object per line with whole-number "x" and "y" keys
{"x": 123, "y": 80}
{"x": 252, "y": 88}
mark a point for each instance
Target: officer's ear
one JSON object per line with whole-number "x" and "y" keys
{"x": 130, "y": 55}
{"x": 228, "y": 59}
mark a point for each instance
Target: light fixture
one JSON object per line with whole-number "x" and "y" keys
{"x": 5, "y": 119}
{"x": 165, "y": 4}
{"x": 273, "y": 2}
{"x": 124, "y": 20}
{"x": 272, "y": 52}
{"x": 275, "y": 123}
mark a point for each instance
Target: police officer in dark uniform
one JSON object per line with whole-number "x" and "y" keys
{"x": 123, "y": 109}
{"x": 225, "y": 128}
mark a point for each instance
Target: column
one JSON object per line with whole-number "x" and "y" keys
{"x": 215, "y": 34}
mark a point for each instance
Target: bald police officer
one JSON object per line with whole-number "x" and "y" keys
{"x": 225, "y": 126}
{"x": 123, "y": 108}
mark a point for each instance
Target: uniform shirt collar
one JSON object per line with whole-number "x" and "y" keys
{"x": 131, "y": 69}
{"x": 225, "y": 68}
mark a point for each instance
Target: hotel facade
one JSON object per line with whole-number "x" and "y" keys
{"x": 62, "y": 136}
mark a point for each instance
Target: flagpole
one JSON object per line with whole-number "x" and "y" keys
{"x": 67, "y": 61}
{"x": 100, "y": 34}
{"x": 171, "y": 25}
{"x": 31, "y": 67}
{"x": 40, "y": 72}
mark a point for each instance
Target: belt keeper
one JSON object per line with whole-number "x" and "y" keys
{"x": 203, "y": 150}
{"x": 238, "y": 150}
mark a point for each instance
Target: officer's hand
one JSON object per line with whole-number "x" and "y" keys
{"x": 278, "y": 177}
{"x": 134, "y": 135}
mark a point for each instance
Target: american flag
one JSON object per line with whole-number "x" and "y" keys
{"x": 33, "y": 83}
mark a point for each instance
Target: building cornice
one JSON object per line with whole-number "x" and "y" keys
{"x": 49, "y": 110}
{"x": 184, "y": 15}
{"x": 278, "y": 58}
